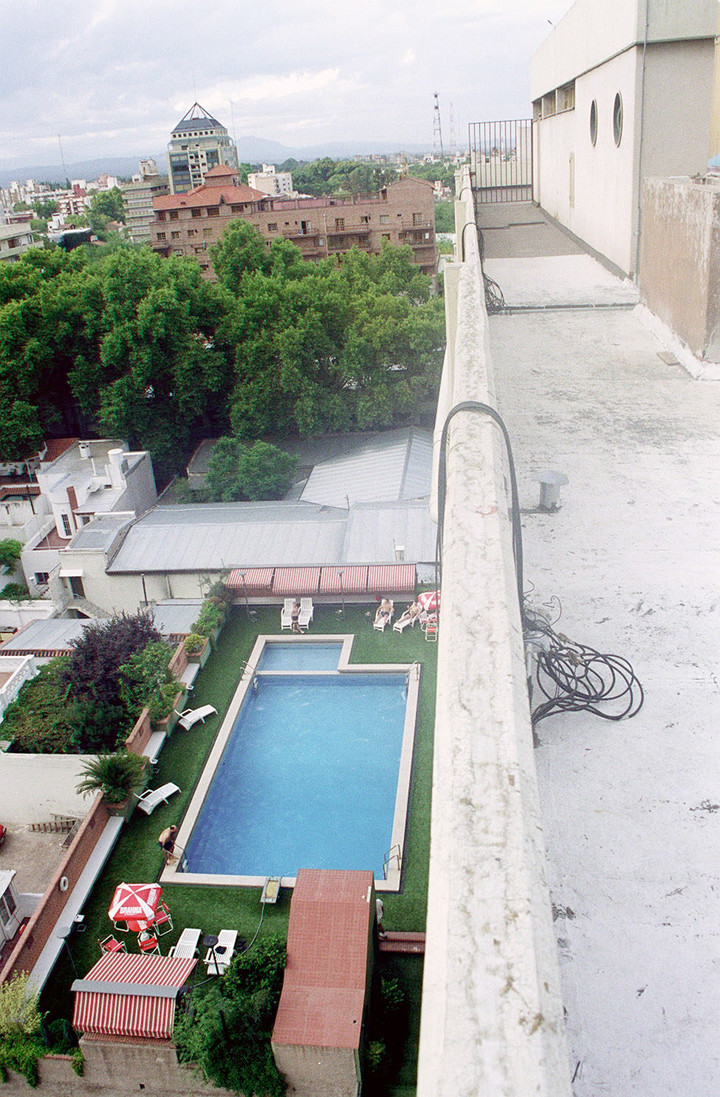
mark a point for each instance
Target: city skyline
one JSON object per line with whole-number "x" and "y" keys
{"x": 107, "y": 78}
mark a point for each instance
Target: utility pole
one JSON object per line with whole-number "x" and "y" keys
{"x": 437, "y": 127}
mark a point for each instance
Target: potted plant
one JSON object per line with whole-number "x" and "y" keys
{"x": 197, "y": 648}
{"x": 116, "y": 776}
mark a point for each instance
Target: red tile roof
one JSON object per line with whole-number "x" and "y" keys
{"x": 57, "y": 446}
{"x": 323, "y": 997}
{"x": 209, "y": 196}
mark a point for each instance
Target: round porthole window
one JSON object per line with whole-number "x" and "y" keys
{"x": 618, "y": 118}
{"x": 593, "y": 121}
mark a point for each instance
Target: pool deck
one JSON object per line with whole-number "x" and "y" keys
{"x": 172, "y": 874}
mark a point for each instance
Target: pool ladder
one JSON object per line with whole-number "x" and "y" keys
{"x": 393, "y": 854}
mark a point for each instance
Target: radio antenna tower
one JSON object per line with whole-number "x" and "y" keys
{"x": 437, "y": 128}
{"x": 453, "y": 148}
{"x": 62, "y": 159}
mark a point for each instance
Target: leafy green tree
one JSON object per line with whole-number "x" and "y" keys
{"x": 260, "y": 471}
{"x": 146, "y": 679}
{"x": 240, "y": 251}
{"x": 444, "y": 217}
{"x": 108, "y": 204}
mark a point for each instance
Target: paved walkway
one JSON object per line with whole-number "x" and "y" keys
{"x": 632, "y": 809}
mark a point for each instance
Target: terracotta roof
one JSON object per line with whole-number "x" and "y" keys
{"x": 208, "y": 196}
{"x": 56, "y": 447}
{"x": 328, "y": 944}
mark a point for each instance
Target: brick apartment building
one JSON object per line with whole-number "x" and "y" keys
{"x": 401, "y": 213}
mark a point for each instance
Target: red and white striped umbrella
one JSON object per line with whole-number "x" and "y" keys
{"x": 135, "y": 904}
{"x": 429, "y": 600}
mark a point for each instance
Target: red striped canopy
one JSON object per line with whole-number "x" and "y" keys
{"x": 251, "y": 580}
{"x": 354, "y": 580}
{"x": 126, "y": 994}
{"x": 289, "y": 581}
{"x": 393, "y": 578}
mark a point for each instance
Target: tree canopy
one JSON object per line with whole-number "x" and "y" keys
{"x": 140, "y": 347}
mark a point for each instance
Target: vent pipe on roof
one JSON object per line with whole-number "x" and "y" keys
{"x": 84, "y": 450}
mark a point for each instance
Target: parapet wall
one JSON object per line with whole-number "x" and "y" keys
{"x": 492, "y": 1015}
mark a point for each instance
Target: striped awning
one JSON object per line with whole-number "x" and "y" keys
{"x": 391, "y": 578}
{"x": 251, "y": 580}
{"x": 290, "y": 581}
{"x": 128, "y": 994}
{"x": 354, "y": 580}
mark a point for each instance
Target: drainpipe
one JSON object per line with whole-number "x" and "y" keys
{"x": 638, "y": 215}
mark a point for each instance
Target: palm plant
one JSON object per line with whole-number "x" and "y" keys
{"x": 117, "y": 776}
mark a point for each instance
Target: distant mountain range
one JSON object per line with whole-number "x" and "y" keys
{"x": 252, "y": 150}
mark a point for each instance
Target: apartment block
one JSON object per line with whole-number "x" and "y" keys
{"x": 401, "y": 213}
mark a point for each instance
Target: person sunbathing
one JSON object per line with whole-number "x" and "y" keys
{"x": 411, "y": 614}
{"x": 384, "y": 610}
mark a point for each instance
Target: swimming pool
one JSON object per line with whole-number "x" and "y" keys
{"x": 311, "y": 769}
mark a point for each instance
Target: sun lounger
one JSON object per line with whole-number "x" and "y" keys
{"x": 306, "y": 612}
{"x": 381, "y": 623}
{"x": 218, "y": 958}
{"x": 154, "y": 796}
{"x": 187, "y": 945}
{"x": 190, "y": 716}
{"x": 402, "y": 623}
{"x": 286, "y": 613}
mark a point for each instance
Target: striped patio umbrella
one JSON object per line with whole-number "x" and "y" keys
{"x": 135, "y": 904}
{"x": 429, "y": 600}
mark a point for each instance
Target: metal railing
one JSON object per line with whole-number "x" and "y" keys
{"x": 501, "y": 160}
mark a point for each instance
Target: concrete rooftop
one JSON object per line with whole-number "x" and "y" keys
{"x": 631, "y": 809}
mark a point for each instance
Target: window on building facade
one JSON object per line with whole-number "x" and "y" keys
{"x": 213, "y": 211}
{"x": 386, "y": 236}
{"x": 593, "y": 122}
{"x": 192, "y": 232}
{"x": 197, "y": 213}
{"x": 66, "y": 525}
{"x": 272, "y": 226}
{"x": 365, "y": 219}
{"x": 161, "y": 236}
{"x": 41, "y": 577}
{"x": 618, "y": 119}
{"x": 565, "y": 97}
{"x": 160, "y": 216}
{"x": 174, "y": 215}
{"x": 384, "y": 218}
{"x": 417, "y": 219}
{"x": 339, "y": 224}
{"x": 174, "y": 235}
{"x": 207, "y": 232}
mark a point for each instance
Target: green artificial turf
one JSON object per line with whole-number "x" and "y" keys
{"x": 137, "y": 858}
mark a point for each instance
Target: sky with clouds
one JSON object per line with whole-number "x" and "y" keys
{"x": 112, "y": 77}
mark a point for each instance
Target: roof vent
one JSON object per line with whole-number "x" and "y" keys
{"x": 550, "y": 483}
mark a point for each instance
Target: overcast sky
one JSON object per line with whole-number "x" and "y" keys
{"x": 112, "y": 77}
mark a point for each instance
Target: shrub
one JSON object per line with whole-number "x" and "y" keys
{"x": 19, "y": 1011}
{"x": 194, "y": 643}
{"x": 93, "y": 667}
{"x": 117, "y": 776}
{"x": 227, "y": 1032}
{"x": 15, "y": 592}
{"x": 10, "y": 551}
{"x": 145, "y": 679}
{"x": 212, "y": 617}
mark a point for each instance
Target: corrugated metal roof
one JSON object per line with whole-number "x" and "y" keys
{"x": 55, "y": 634}
{"x": 99, "y": 534}
{"x": 173, "y": 618}
{"x": 374, "y": 532}
{"x": 391, "y": 467}
{"x": 227, "y": 535}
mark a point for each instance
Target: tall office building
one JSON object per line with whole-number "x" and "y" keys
{"x": 198, "y": 143}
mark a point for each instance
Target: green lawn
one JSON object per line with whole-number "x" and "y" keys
{"x": 136, "y": 856}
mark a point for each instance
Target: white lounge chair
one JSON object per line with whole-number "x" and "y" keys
{"x": 151, "y": 797}
{"x": 306, "y": 612}
{"x": 190, "y": 716}
{"x": 218, "y": 958}
{"x": 286, "y": 613}
{"x": 187, "y": 945}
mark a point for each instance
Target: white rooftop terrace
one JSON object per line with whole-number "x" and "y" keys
{"x": 629, "y": 811}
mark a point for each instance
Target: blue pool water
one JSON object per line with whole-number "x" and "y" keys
{"x": 299, "y": 656}
{"x": 308, "y": 778}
